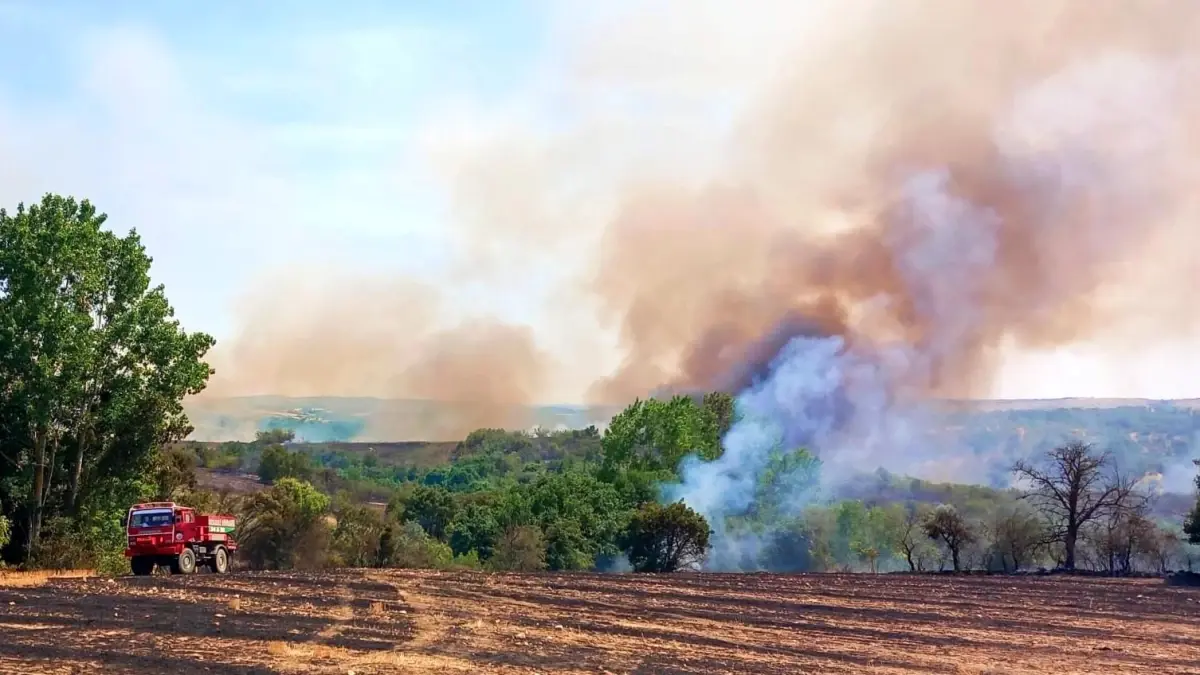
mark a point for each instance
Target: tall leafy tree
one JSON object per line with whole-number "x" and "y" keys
{"x": 93, "y": 366}
{"x": 723, "y": 409}
{"x": 433, "y": 508}
{"x": 947, "y": 525}
{"x": 285, "y": 527}
{"x": 655, "y": 435}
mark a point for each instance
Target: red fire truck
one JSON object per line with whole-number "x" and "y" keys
{"x": 169, "y": 535}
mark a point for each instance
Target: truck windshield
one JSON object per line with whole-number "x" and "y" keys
{"x": 157, "y": 518}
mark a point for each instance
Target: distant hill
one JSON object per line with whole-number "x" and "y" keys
{"x": 1091, "y": 403}
{"x": 326, "y": 419}
{"x": 330, "y": 419}
{"x": 975, "y": 441}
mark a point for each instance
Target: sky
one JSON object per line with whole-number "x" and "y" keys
{"x": 250, "y": 138}
{"x": 253, "y": 141}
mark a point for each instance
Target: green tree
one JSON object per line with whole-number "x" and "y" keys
{"x": 582, "y": 516}
{"x": 945, "y": 524}
{"x": 431, "y": 507}
{"x": 285, "y": 527}
{"x": 94, "y": 363}
{"x": 174, "y": 473}
{"x": 5, "y": 532}
{"x": 851, "y": 518}
{"x": 785, "y": 484}
{"x": 666, "y": 538}
{"x": 876, "y": 539}
{"x": 567, "y": 548}
{"x": 279, "y": 462}
{"x": 655, "y": 435}
{"x": 274, "y": 437}
{"x": 722, "y": 409}
{"x": 356, "y": 538}
{"x": 474, "y": 529}
{"x": 790, "y": 548}
{"x": 409, "y": 546}
{"x": 519, "y": 549}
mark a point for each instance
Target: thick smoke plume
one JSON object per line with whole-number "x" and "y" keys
{"x": 1013, "y": 174}
{"x": 918, "y": 189}
{"x": 941, "y": 175}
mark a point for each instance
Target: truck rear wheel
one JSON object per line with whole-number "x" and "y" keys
{"x": 220, "y": 560}
{"x": 185, "y": 563}
{"x": 141, "y": 565}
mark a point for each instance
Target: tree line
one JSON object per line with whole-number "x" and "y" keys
{"x": 1075, "y": 512}
{"x": 93, "y": 369}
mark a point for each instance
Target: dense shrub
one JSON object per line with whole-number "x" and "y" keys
{"x": 519, "y": 549}
{"x": 666, "y": 538}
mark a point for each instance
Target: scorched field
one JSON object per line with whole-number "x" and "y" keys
{"x": 428, "y": 622}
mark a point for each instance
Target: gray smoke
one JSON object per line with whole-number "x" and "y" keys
{"x": 860, "y": 400}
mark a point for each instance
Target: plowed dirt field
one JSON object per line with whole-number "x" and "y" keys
{"x": 427, "y": 622}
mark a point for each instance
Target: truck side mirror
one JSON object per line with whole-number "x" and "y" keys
{"x": 125, "y": 520}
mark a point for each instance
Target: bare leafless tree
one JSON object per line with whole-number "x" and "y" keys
{"x": 1017, "y": 537}
{"x": 1160, "y": 548}
{"x": 1074, "y": 487}
{"x": 909, "y": 535}
{"x": 1117, "y": 543}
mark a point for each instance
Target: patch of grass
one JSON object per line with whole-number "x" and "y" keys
{"x": 39, "y": 577}
{"x": 292, "y": 651}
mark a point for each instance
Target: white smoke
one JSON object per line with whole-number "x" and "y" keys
{"x": 855, "y": 401}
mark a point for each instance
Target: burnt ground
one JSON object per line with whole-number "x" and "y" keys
{"x": 430, "y": 622}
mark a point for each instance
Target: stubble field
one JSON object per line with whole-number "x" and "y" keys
{"x": 429, "y": 622}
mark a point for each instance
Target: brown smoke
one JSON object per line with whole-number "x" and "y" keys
{"x": 1067, "y": 129}
{"x": 364, "y": 337}
{"x": 1097, "y": 164}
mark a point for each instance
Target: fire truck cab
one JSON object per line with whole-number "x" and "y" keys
{"x": 166, "y": 534}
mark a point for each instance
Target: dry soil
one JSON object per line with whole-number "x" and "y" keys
{"x": 429, "y": 622}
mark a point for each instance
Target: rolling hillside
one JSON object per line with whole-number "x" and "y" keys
{"x": 972, "y": 441}
{"x": 327, "y": 419}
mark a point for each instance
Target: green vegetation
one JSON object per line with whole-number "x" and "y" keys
{"x": 95, "y": 368}
{"x": 666, "y": 538}
{"x": 1142, "y": 436}
{"x": 5, "y": 532}
{"x": 578, "y": 500}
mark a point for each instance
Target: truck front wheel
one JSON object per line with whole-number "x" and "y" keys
{"x": 141, "y": 565}
{"x": 185, "y": 563}
{"x": 220, "y": 560}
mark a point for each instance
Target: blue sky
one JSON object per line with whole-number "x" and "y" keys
{"x": 335, "y": 142}
{"x": 245, "y": 137}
